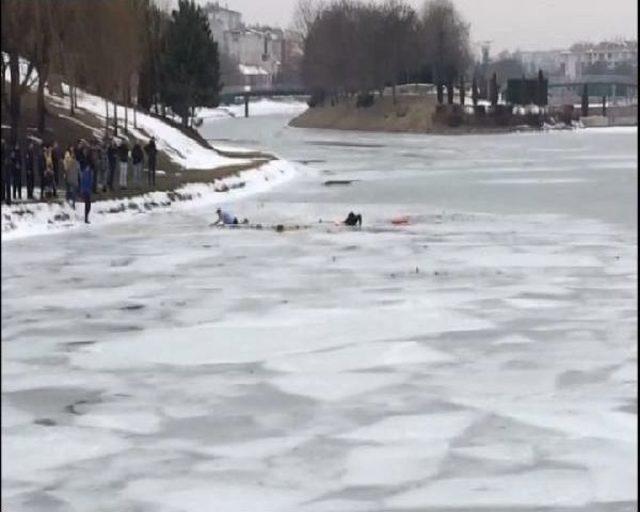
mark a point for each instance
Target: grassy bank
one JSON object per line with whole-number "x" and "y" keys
{"x": 407, "y": 114}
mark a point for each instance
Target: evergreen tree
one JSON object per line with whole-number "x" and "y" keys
{"x": 494, "y": 90}
{"x": 474, "y": 91}
{"x": 541, "y": 96}
{"x": 190, "y": 66}
{"x": 585, "y": 101}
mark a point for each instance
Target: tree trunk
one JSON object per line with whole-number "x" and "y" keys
{"x": 106, "y": 118}
{"x": 393, "y": 92}
{"x": 71, "y": 107}
{"x": 40, "y": 106}
{"x": 462, "y": 92}
{"x": 14, "y": 100}
{"x": 126, "y": 114}
{"x": 135, "y": 120}
{"x": 474, "y": 91}
{"x": 115, "y": 119}
{"x": 585, "y": 101}
{"x": 439, "y": 93}
{"x": 450, "y": 92}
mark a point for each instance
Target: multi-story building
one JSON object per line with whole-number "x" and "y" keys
{"x": 259, "y": 51}
{"x": 578, "y": 60}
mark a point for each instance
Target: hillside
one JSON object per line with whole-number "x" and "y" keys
{"x": 183, "y": 156}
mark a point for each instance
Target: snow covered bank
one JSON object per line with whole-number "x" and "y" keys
{"x": 261, "y": 107}
{"x": 180, "y": 148}
{"x": 21, "y": 220}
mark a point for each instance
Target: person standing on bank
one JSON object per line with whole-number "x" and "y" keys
{"x": 72, "y": 176}
{"x": 56, "y": 159}
{"x": 137, "y": 159}
{"x": 6, "y": 174}
{"x": 112, "y": 158}
{"x": 86, "y": 185}
{"x": 123, "y": 157}
{"x": 29, "y": 166}
{"x": 16, "y": 171}
{"x": 151, "y": 151}
{"x": 41, "y": 165}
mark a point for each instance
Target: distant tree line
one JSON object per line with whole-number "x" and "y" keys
{"x": 353, "y": 47}
{"x": 122, "y": 50}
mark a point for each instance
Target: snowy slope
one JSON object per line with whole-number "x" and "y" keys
{"x": 180, "y": 148}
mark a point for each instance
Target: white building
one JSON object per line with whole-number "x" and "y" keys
{"x": 259, "y": 51}
{"x": 222, "y": 20}
{"x": 575, "y": 62}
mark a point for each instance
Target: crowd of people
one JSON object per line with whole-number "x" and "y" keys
{"x": 83, "y": 169}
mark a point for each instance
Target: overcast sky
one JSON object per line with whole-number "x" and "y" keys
{"x": 510, "y": 24}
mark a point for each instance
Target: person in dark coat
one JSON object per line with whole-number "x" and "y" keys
{"x": 29, "y": 167}
{"x": 4, "y": 173}
{"x": 353, "y": 219}
{"x": 16, "y": 171}
{"x": 123, "y": 158}
{"x": 86, "y": 185}
{"x": 56, "y": 157}
{"x": 137, "y": 160}
{"x": 151, "y": 151}
{"x": 95, "y": 162}
{"x": 48, "y": 181}
{"x": 41, "y": 166}
{"x": 112, "y": 156}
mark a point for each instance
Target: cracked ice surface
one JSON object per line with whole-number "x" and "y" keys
{"x": 483, "y": 357}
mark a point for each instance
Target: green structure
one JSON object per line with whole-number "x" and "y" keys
{"x": 525, "y": 91}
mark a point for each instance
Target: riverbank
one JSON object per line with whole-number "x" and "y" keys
{"x": 35, "y": 218}
{"x": 422, "y": 114}
{"x": 408, "y": 114}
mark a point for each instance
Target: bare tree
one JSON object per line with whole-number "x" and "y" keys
{"x": 305, "y": 14}
{"x": 15, "y": 42}
{"x": 445, "y": 37}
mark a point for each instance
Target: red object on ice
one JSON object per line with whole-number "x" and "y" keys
{"x": 404, "y": 219}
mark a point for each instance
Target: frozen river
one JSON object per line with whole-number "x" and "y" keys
{"x": 482, "y": 358}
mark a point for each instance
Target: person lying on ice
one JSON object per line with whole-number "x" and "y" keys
{"x": 353, "y": 219}
{"x": 227, "y": 219}
{"x": 224, "y": 217}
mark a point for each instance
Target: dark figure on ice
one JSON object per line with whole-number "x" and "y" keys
{"x": 353, "y": 219}
{"x": 151, "y": 151}
{"x": 225, "y": 218}
{"x": 86, "y": 185}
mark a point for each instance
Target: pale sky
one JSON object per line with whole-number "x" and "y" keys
{"x": 510, "y": 24}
